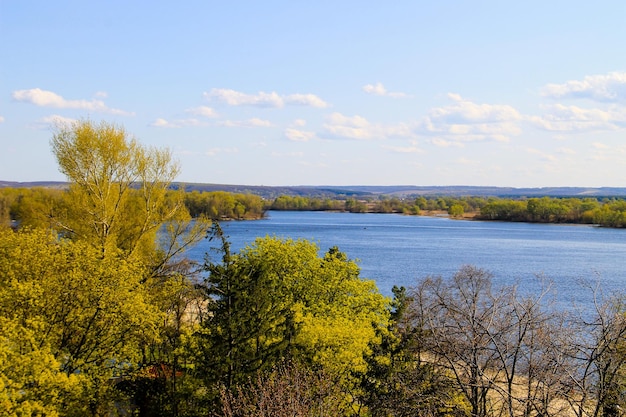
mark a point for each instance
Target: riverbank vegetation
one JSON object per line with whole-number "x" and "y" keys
{"x": 607, "y": 211}
{"x": 101, "y": 314}
{"x": 41, "y": 207}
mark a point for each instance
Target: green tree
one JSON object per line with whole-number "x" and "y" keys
{"x": 278, "y": 298}
{"x": 249, "y": 324}
{"x": 456, "y": 210}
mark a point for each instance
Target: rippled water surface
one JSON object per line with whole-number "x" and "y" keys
{"x": 398, "y": 250}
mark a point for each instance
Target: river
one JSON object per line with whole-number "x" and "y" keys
{"x": 398, "y": 250}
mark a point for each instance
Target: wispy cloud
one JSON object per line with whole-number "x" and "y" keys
{"x": 203, "y": 111}
{"x": 44, "y": 98}
{"x": 467, "y": 121}
{"x": 177, "y": 123}
{"x": 357, "y": 127}
{"x": 310, "y": 100}
{"x": 609, "y": 87}
{"x": 561, "y": 118}
{"x": 1, "y": 119}
{"x": 379, "y": 89}
{"x": 264, "y": 99}
{"x": 254, "y": 122}
{"x": 53, "y": 120}
{"x": 298, "y": 135}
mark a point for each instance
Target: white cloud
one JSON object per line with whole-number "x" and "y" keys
{"x": 162, "y": 123}
{"x": 467, "y": 112}
{"x": 609, "y": 87}
{"x": 357, "y": 127}
{"x": 254, "y": 122}
{"x": 44, "y": 98}
{"x": 263, "y": 99}
{"x": 178, "y": 123}
{"x": 53, "y": 121}
{"x": 379, "y": 89}
{"x": 1, "y": 119}
{"x": 560, "y": 118}
{"x": 235, "y": 98}
{"x": 299, "y": 122}
{"x": 297, "y": 135}
{"x": 202, "y": 111}
{"x": 310, "y": 100}
{"x": 56, "y": 119}
{"x": 467, "y": 121}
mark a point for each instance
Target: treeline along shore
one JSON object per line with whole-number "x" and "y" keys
{"x": 38, "y": 205}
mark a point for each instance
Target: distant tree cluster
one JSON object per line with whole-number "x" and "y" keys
{"x": 610, "y": 212}
{"x": 222, "y": 205}
{"x": 300, "y": 203}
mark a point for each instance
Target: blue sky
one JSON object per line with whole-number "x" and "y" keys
{"x": 494, "y": 93}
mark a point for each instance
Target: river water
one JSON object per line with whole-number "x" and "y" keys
{"x": 398, "y": 250}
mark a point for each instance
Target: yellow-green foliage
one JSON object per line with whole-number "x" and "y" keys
{"x": 118, "y": 194}
{"x": 68, "y": 317}
{"x": 30, "y": 379}
{"x": 220, "y": 204}
{"x": 337, "y": 314}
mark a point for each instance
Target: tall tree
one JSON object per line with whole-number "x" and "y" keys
{"x": 462, "y": 317}
{"x": 118, "y": 196}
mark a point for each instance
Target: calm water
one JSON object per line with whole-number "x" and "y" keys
{"x": 398, "y": 250}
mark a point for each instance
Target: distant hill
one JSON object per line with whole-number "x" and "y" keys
{"x": 365, "y": 191}
{"x": 45, "y": 184}
{"x": 412, "y": 190}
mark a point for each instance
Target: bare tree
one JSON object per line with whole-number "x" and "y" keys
{"x": 497, "y": 345}
{"x": 529, "y": 365}
{"x": 596, "y": 385}
{"x": 290, "y": 390}
{"x": 460, "y": 318}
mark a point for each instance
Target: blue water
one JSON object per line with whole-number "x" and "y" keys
{"x": 398, "y": 250}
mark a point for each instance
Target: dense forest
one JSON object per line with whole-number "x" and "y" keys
{"x": 102, "y": 314}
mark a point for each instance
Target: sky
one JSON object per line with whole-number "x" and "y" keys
{"x": 278, "y": 93}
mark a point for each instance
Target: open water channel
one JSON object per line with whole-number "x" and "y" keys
{"x": 398, "y": 250}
